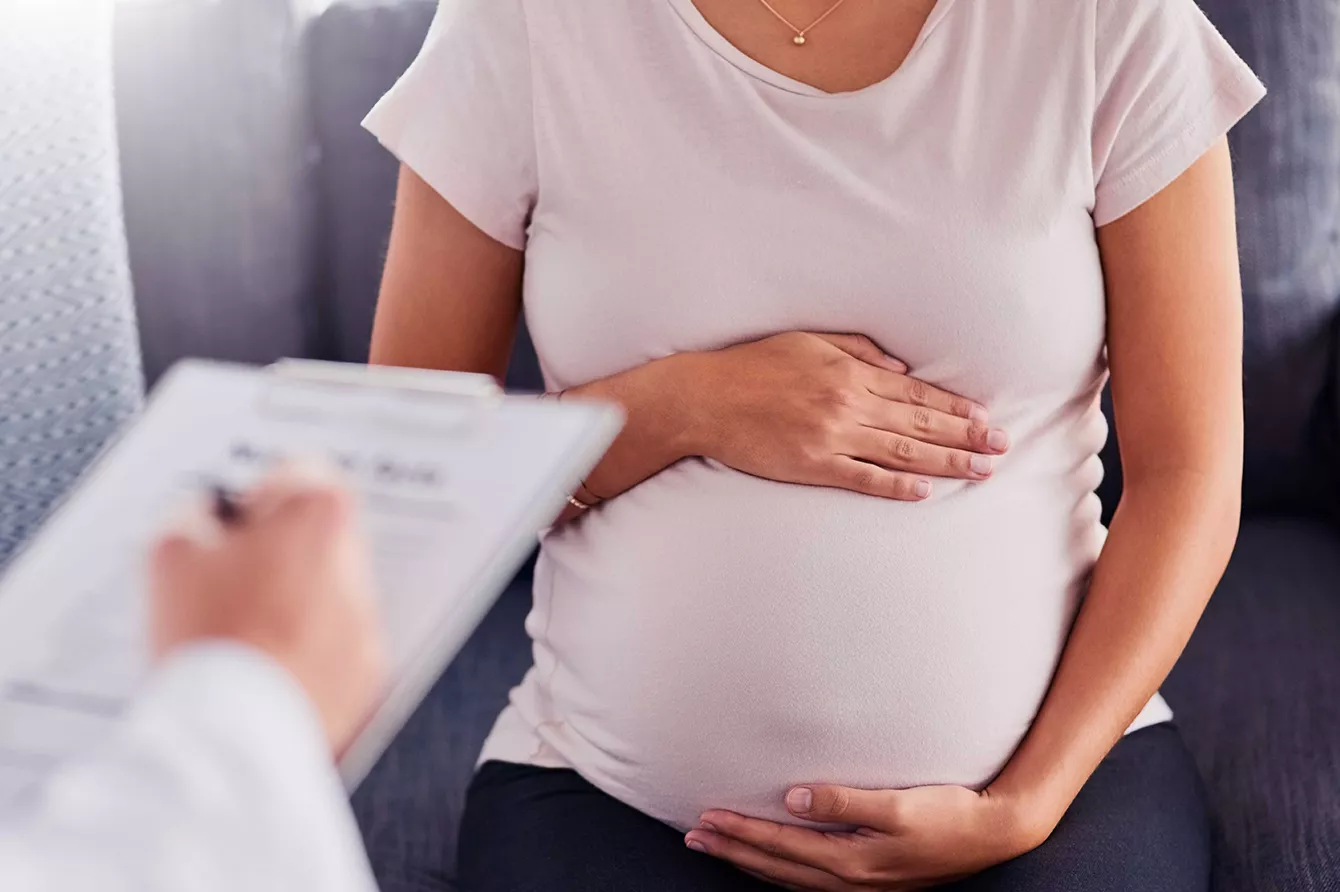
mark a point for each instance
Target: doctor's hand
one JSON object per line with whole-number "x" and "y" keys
{"x": 903, "y": 839}
{"x": 289, "y": 575}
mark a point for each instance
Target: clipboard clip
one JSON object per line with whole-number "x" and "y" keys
{"x": 463, "y": 384}
{"x": 407, "y": 399}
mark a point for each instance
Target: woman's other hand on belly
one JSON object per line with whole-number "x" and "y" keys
{"x": 834, "y": 410}
{"x": 902, "y": 839}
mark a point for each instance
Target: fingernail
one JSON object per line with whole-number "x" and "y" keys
{"x": 801, "y": 799}
{"x": 923, "y": 491}
{"x": 897, "y": 365}
{"x": 977, "y": 413}
{"x": 980, "y": 465}
{"x": 695, "y": 845}
{"x": 710, "y": 828}
{"x": 998, "y": 440}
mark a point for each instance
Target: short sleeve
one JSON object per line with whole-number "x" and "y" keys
{"x": 461, "y": 117}
{"x": 1168, "y": 88}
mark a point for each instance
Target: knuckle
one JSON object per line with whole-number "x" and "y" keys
{"x": 839, "y": 802}
{"x": 865, "y": 479}
{"x": 903, "y": 449}
{"x": 922, "y": 420}
{"x": 977, "y": 434}
{"x": 828, "y": 432}
{"x": 830, "y": 803}
{"x": 960, "y": 407}
{"x": 955, "y": 462}
{"x": 826, "y": 352}
{"x": 895, "y": 813}
{"x": 847, "y": 370}
{"x": 817, "y": 452}
{"x": 918, "y": 393}
{"x": 771, "y": 842}
{"x": 839, "y": 395}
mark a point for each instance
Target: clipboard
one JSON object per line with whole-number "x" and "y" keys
{"x": 455, "y": 481}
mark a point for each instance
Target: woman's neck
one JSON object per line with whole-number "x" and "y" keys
{"x": 861, "y": 43}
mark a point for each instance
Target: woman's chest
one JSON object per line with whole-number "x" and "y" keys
{"x": 956, "y": 235}
{"x": 980, "y": 296}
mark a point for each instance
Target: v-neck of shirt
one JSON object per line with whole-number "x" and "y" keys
{"x": 737, "y": 57}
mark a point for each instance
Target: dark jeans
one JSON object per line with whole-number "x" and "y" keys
{"x": 1139, "y": 825}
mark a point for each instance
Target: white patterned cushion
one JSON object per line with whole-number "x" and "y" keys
{"x": 69, "y": 358}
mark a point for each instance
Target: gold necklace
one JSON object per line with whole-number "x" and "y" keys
{"x": 799, "y": 39}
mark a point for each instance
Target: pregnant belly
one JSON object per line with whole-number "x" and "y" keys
{"x": 710, "y": 639}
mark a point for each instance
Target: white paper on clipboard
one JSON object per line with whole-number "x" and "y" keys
{"x": 454, "y": 481}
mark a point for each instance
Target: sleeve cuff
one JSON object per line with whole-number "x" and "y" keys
{"x": 252, "y": 763}
{"x": 239, "y": 691}
{"x": 1233, "y": 99}
{"x": 429, "y": 162}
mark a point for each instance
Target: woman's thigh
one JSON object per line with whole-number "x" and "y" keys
{"x": 528, "y": 829}
{"x": 1139, "y": 825}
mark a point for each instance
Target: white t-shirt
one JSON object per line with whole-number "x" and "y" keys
{"x": 709, "y": 639}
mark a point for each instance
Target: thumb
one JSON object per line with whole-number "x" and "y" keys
{"x": 866, "y": 350}
{"x": 824, "y": 803}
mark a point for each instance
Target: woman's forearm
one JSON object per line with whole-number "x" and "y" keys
{"x": 659, "y": 427}
{"x": 1168, "y": 546}
{"x": 1174, "y": 345}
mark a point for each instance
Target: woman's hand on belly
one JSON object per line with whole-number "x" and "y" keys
{"x": 904, "y": 839}
{"x": 834, "y": 410}
{"x": 812, "y": 409}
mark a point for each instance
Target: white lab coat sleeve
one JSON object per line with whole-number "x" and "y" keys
{"x": 220, "y": 779}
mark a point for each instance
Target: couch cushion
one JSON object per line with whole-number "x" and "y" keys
{"x": 356, "y": 51}
{"x": 410, "y": 804}
{"x": 1287, "y": 155}
{"x": 217, "y": 159}
{"x": 69, "y": 359}
{"x": 1257, "y": 695}
{"x": 1287, "y": 170}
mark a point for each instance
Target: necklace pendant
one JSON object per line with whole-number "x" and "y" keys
{"x": 798, "y": 40}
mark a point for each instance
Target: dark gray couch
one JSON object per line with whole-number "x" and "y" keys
{"x": 257, "y": 214}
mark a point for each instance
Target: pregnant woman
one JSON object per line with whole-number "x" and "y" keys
{"x": 837, "y": 611}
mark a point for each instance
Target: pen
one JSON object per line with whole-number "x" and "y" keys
{"x": 226, "y": 507}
